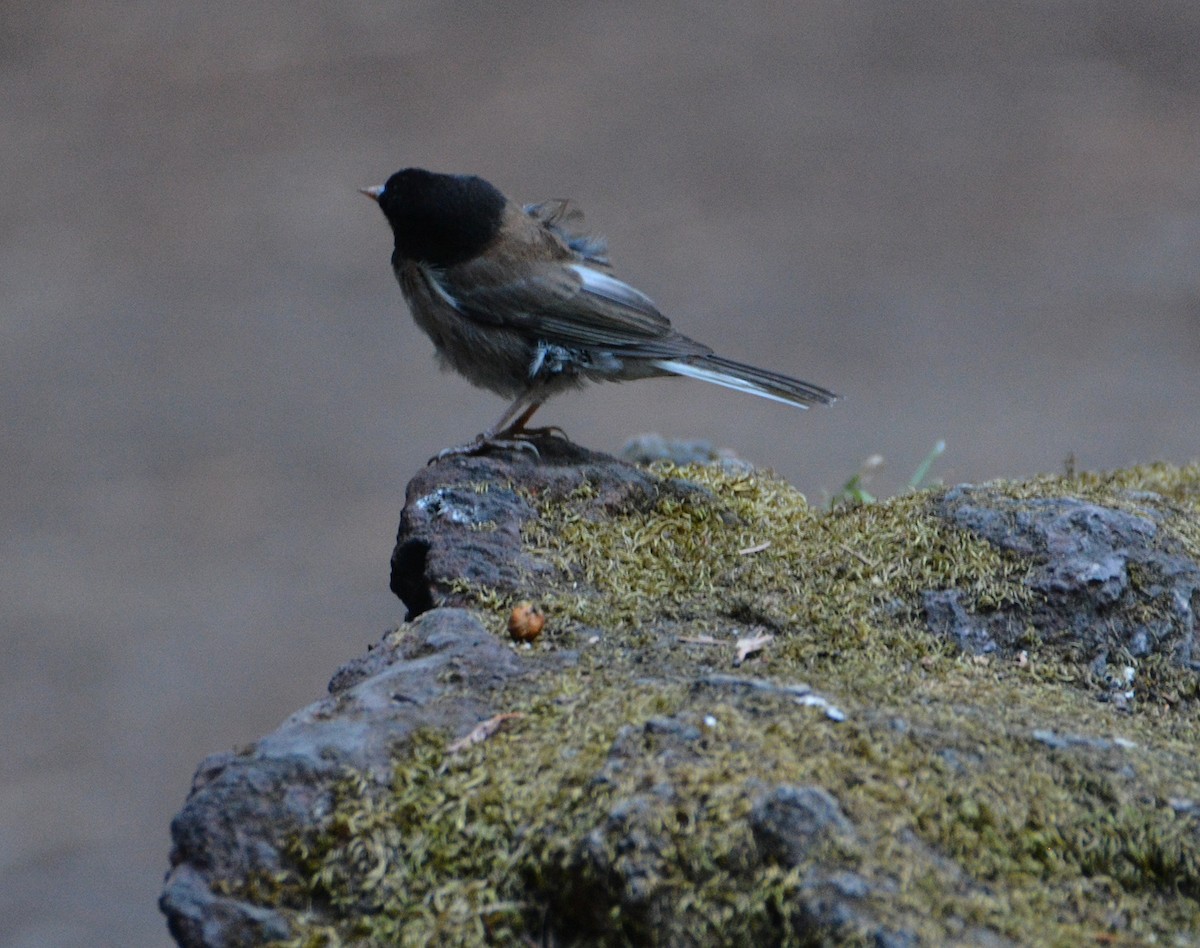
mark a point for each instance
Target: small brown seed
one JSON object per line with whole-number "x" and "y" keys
{"x": 526, "y": 622}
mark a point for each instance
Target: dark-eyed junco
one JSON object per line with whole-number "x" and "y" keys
{"x": 521, "y": 301}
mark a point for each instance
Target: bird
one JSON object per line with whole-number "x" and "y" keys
{"x": 521, "y": 300}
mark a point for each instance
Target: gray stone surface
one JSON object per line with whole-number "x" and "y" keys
{"x": 244, "y": 805}
{"x": 1109, "y": 584}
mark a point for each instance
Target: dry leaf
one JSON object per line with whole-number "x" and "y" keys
{"x": 482, "y": 732}
{"x": 751, "y": 646}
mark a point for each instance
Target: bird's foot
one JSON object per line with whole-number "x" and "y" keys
{"x": 507, "y": 439}
{"x": 487, "y": 443}
{"x": 550, "y": 431}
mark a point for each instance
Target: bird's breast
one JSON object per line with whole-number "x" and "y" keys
{"x": 491, "y": 357}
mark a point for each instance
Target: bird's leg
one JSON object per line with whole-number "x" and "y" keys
{"x": 508, "y": 432}
{"x": 512, "y": 422}
{"x": 517, "y": 429}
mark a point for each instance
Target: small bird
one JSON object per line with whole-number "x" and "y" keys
{"x": 522, "y": 302}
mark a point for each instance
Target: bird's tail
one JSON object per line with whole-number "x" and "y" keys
{"x": 747, "y": 378}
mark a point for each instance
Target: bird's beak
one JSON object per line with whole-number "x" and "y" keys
{"x": 372, "y": 193}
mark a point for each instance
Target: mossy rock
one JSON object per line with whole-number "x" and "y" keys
{"x": 921, "y": 742}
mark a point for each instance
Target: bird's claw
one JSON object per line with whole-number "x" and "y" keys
{"x": 485, "y": 443}
{"x": 549, "y": 431}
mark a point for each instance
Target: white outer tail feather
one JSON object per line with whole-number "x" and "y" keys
{"x": 705, "y": 374}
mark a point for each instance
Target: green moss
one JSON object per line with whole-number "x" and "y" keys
{"x": 687, "y": 557}
{"x": 963, "y": 817}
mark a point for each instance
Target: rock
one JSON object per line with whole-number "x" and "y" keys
{"x": 462, "y": 520}
{"x": 1107, "y": 581}
{"x": 649, "y": 448}
{"x": 913, "y": 754}
{"x": 245, "y": 806}
{"x": 197, "y": 915}
{"x": 789, "y": 823}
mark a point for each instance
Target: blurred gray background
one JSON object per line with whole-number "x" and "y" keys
{"x": 978, "y": 222}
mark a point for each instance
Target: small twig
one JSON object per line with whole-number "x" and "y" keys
{"x": 757, "y": 548}
{"x": 699, "y": 640}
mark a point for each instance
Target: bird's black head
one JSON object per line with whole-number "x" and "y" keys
{"x": 440, "y": 219}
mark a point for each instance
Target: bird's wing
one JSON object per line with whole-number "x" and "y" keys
{"x": 568, "y": 304}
